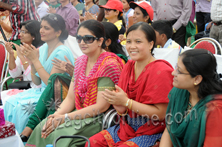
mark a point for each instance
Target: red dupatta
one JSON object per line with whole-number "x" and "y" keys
{"x": 151, "y": 87}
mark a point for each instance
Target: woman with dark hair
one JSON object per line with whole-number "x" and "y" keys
{"x": 90, "y": 7}
{"x": 52, "y": 32}
{"x": 140, "y": 98}
{"x": 94, "y": 72}
{"x": 114, "y": 14}
{"x": 128, "y": 13}
{"x": 195, "y": 107}
{"x": 29, "y": 34}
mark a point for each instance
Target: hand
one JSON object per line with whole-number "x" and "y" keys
{"x": 51, "y": 10}
{"x": 8, "y": 46}
{"x": 18, "y": 49}
{"x": 53, "y": 121}
{"x": 209, "y": 25}
{"x": 90, "y": 16}
{"x": 122, "y": 38}
{"x": 30, "y": 52}
{"x": 61, "y": 65}
{"x": 118, "y": 97}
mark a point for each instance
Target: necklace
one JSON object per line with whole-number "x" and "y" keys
{"x": 49, "y": 53}
{"x": 146, "y": 64}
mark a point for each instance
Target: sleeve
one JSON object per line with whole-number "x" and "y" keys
{"x": 21, "y": 7}
{"x": 105, "y": 83}
{"x": 153, "y": 4}
{"x": 159, "y": 84}
{"x": 185, "y": 15}
{"x": 213, "y": 134}
{"x": 95, "y": 9}
{"x": 18, "y": 69}
{"x": 71, "y": 22}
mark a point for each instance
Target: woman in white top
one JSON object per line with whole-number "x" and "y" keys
{"x": 29, "y": 34}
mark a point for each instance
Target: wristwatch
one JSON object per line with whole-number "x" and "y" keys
{"x": 174, "y": 30}
{"x": 66, "y": 117}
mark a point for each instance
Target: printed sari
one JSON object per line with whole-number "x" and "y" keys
{"x": 201, "y": 126}
{"x": 151, "y": 87}
{"x": 85, "y": 89}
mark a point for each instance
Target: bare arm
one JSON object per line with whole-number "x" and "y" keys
{"x": 101, "y": 14}
{"x": 165, "y": 139}
{"x": 5, "y": 26}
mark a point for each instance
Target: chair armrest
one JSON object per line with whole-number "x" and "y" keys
{"x": 111, "y": 118}
{"x": 8, "y": 78}
{"x": 106, "y": 118}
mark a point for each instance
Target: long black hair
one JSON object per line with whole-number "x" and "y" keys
{"x": 33, "y": 27}
{"x": 112, "y": 33}
{"x": 202, "y": 62}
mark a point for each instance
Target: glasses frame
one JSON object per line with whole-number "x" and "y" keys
{"x": 23, "y": 32}
{"x": 79, "y": 39}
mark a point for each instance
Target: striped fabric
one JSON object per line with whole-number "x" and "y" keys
{"x": 25, "y": 10}
{"x": 107, "y": 65}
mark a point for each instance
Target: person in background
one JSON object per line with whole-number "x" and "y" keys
{"x": 84, "y": 102}
{"x": 79, "y": 6}
{"x": 5, "y": 24}
{"x": 114, "y": 14}
{"x": 140, "y": 96}
{"x": 195, "y": 109}
{"x": 177, "y": 12}
{"x": 127, "y": 13}
{"x": 42, "y": 8}
{"x": 20, "y": 11}
{"x": 203, "y": 8}
{"x": 54, "y": 3}
{"x": 29, "y": 34}
{"x": 164, "y": 32}
{"x": 69, "y": 14}
{"x": 90, "y": 7}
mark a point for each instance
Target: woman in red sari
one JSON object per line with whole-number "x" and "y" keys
{"x": 142, "y": 91}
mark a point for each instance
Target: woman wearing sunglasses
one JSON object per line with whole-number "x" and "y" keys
{"x": 53, "y": 33}
{"x": 80, "y": 112}
{"x": 195, "y": 109}
{"x": 114, "y": 14}
{"x": 141, "y": 95}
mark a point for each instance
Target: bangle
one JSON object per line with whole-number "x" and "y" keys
{"x": 122, "y": 114}
{"x": 32, "y": 74}
{"x": 39, "y": 68}
{"x": 25, "y": 63}
{"x": 131, "y": 103}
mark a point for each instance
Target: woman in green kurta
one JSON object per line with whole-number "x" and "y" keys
{"x": 80, "y": 112}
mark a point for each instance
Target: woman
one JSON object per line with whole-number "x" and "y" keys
{"x": 141, "y": 95}
{"x": 90, "y": 7}
{"x": 53, "y": 33}
{"x": 143, "y": 12}
{"x": 5, "y": 24}
{"x": 128, "y": 13}
{"x": 114, "y": 14}
{"x": 29, "y": 34}
{"x": 195, "y": 107}
{"x": 78, "y": 5}
{"x": 84, "y": 103}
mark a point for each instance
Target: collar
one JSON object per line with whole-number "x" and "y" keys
{"x": 68, "y": 5}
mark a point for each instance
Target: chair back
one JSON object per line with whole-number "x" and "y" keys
{"x": 209, "y": 44}
{"x": 3, "y": 59}
{"x": 219, "y": 63}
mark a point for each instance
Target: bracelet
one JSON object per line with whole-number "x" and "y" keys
{"x": 39, "y": 68}
{"x": 25, "y": 63}
{"x": 122, "y": 114}
{"x": 131, "y": 103}
{"x": 32, "y": 74}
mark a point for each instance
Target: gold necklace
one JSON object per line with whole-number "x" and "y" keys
{"x": 146, "y": 64}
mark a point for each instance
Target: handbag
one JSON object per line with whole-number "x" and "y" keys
{"x": 20, "y": 85}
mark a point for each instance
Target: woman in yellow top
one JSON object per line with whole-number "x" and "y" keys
{"x": 114, "y": 14}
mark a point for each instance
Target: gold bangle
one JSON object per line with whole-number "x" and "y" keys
{"x": 131, "y": 103}
{"x": 39, "y": 68}
{"x": 122, "y": 114}
{"x": 32, "y": 74}
{"x": 25, "y": 63}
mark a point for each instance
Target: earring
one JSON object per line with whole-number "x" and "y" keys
{"x": 57, "y": 36}
{"x": 195, "y": 83}
{"x": 33, "y": 38}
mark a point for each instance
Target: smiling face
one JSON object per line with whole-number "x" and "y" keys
{"x": 110, "y": 14}
{"x": 47, "y": 32}
{"x": 137, "y": 45}
{"x": 25, "y": 36}
{"x": 138, "y": 16}
{"x": 91, "y": 48}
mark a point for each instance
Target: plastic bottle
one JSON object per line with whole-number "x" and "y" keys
{"x": 49, "y": 145}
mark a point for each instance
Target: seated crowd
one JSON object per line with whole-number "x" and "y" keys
{"x": 156, "y": 104}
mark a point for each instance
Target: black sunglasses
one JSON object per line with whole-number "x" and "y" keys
{"x": 88, "y": 39}
{"x": 108, "y": 9}
{"x": 52, "y": 17}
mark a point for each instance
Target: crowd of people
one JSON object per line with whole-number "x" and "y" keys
{"x": 157, "y": 104}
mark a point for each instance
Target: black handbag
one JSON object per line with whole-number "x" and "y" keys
{"x": 20, "y": 85}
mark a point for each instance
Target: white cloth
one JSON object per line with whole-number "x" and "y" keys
{"x": 42, "y": 9}
{"x": 72, "y": 44}
{"x": 12, "y": 141}
{"x": 216, "y": 10}
{"x": 219, "y": 63}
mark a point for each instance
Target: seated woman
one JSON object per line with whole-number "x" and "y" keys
{"x": 195, "y": 107}
{"x": 53, "y": 33}
{"x": 127, "y": 13}
{"x": 112, "y": 45}
{"x": 114, "y": 14}
{"x": 141, "y": 94}
{"x": 90, "y": 7}
{"x": 143, "y": 12}
{"x": 95, "y": 71}
{"x": 29, "y": 34}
